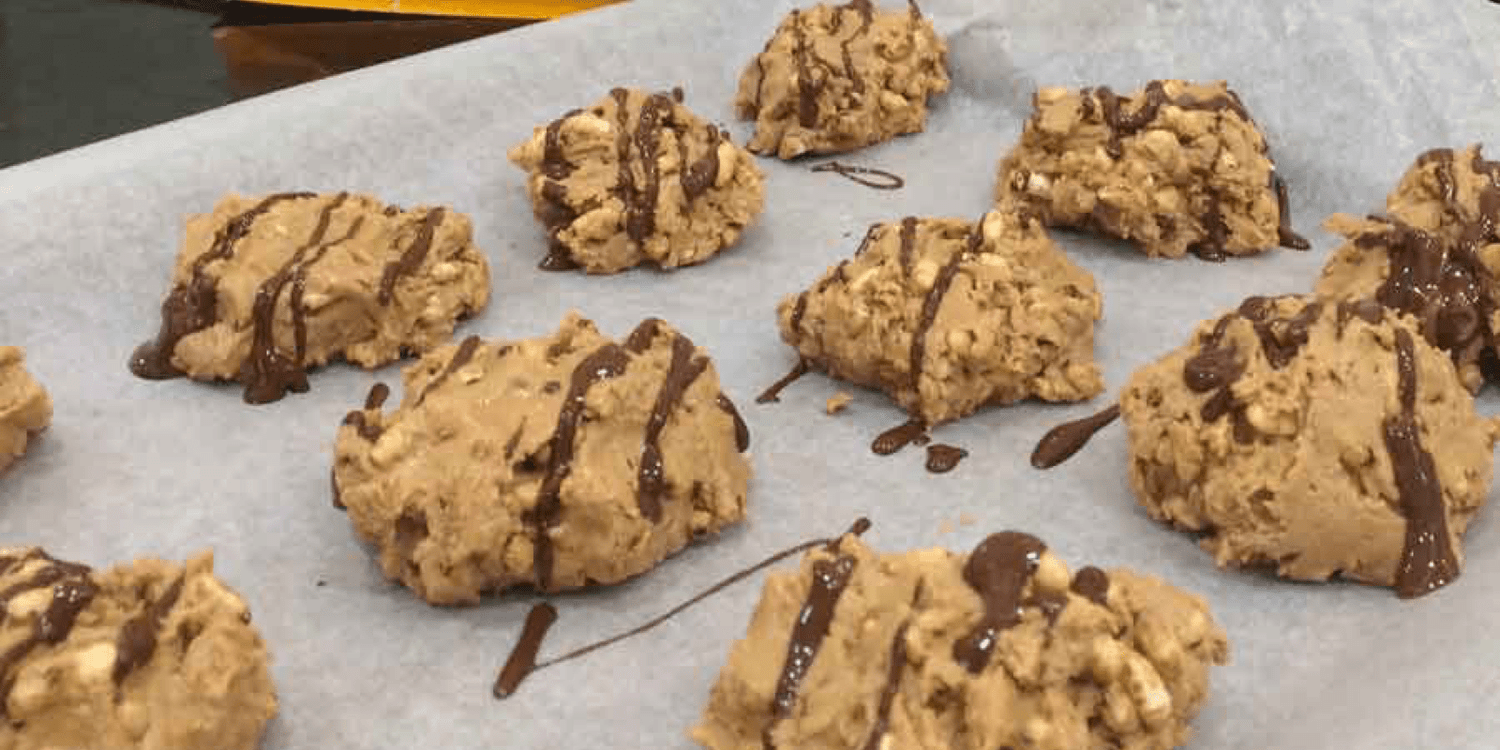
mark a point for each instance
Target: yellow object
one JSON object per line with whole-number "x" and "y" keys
{"x": 534, "y": 9}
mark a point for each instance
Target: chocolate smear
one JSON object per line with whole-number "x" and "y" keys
{"x": 998, "y": 570}
{"x": 1427, "y": 559}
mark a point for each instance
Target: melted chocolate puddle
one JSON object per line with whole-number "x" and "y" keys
{"x": 998, "y": 570}
{"x": 883, "y": 180}
{"x": 1063, "y": 441}
{"x": 942, "y": 459}
{"x": 898, "y": 437}
{"x": 773, "y": 394}
{"x": 522, "y": 661}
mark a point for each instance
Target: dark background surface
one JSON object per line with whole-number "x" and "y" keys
{"x": 76, "y": 71}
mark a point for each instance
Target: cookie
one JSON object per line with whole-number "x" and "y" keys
{"x": 25, "y": 408}
{"x": 265, "y": 288}
{"x": 1434, "y": 254}
{"x": 637, "y": 179}
{"x": 998, "y": 648}
{"x": 1177, "y": 167}
{"x": 557, "y": 462}
{"x": 836, "y": 78}
{"x": 1300, "y": 434}
{"x": 946, "y": 316}
{"x": 148, "y": 654}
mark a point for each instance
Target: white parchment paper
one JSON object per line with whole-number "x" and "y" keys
{"x": 1349, "y": 91}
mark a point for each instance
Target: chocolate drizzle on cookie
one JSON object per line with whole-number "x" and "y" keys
{"x": 412, "y": 257}
{"x": 1092, "y": 584}
{"x": 908, "y": 243}
{"x": 71, "y": 594}
{"x": 807, "y": 89}
{"x": 1427, "y": 559}
{"x": 1123, "y": 124}
{"x": 606, "y": 362}
{"x": 522, "y": 661}
{"x": 461, "y": 357}
{"x": 138, "y": 636}
{"x": 269, "y": 374}
{"x": 892, "y": 686}
{"x": 741, "y": 430}
{"x": 684, "y": 369}
{"x": 1285, "y": 235}
{"x": 998, "y": 570}
{"x": 193, "y": 306}
{"x": 1063, "y": 441}
{"x": 1218, "y": 363}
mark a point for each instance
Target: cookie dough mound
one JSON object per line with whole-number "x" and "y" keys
{"x": 265, "y": 288}
{"x": 1434, "y": 255}
{"x": 25, "y": 409}
{"x": 932, "y": 649}
{"x": 946, "y": 316}
{"x": 838, "y": 78}
{"x": 144, "y": 655}
{"x": 1175, "y": 168}
{"x": 1301, "y": 434}
{"x": 556, "y": 462}
{"x": 637, "y": 178}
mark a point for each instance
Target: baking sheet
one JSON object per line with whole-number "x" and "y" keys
{"x": 1349, "y": 92}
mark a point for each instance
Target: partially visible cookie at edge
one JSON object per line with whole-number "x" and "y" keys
{"x": 266, "y": 288}
{"x": 946, "y": 316}
{"x": 835, "y": 78}
{"x": 637, "y": 179}
{"x": 1177, "y": 167}
{"x": 1002, "y": 647}
{"x": 556, "y": 462}
{"x": 148, "y": 654}
{"x": 25, "y": 408}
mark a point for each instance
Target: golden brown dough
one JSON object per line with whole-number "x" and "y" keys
{"x": 25, "y": 408}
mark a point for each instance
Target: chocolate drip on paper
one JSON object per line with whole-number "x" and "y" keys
{"x": 998, "y": 570}
{"x": 535, "y": 630}
{"x": 681, "y": 374}
{"x": 884, "y": 180}
{"x": 267, "y": 373}
{"x": 411, "y": 258}
{"x": 773, "y": 394}
{"x": 1063, "y": 441}
{"x": 1427, "y": 559}
{"x": 377, "y": 396}
{"x": 741, "y": 430}
{"x": 605, "y": 362}
{"x": 1285, "y": 235}
{"x": 193, "y": 306}
{"x": 52, "y": 625}
{"x": 1093, "y": 584}
{"x": 898, "y": 437}
{"x": 137, "y": 640}
{"x": 461, "y": 357}
{"x": 942, "y": 459}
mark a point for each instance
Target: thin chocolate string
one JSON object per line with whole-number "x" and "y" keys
{"x": 886, "y": 181}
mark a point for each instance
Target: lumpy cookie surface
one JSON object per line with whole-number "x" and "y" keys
{"x": 1318, "y": 437}
{"x": 835, "y": 78}
{"x": 1434, "y": 254}
{"x": 265, "y": 288}
{"x": 149, "y": 654}
{"x": 945, "y": 316}
{"x": 25, "y": 408}
{"x": 934, "y": 649}
{"x": 558, "y": 462}
{"x": 638, "y": 179}
{"x": 1174, "y": 168}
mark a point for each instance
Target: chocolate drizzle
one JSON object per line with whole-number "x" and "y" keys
{"x": 683, "y": 371}
{"x": 411, "y": 258}
{"x": 908, "y": 243}
{"x": 701, "y": 175}
{"x": 267, "y": 373}
{"x": 884, "y": 180}
{"x": 829, "y": 577}
{"x": 1427, "y": 559}
{"x": 1063, "y": 441}
{"x": 1092, "y": 584}
{"x": 555, "y": 164}
{"x": 807, "y": 89}
{"x": 522, "y": 660}
{"x": 932, "y": 303}
{"x": 137, "y": 640}
{"x": 998, "y": 570}
{"x": 193, "y": 306}
{"x": 1122, "y": 124}
{"x": 773, "y": 394}
{"x": 461, "y": 357}
{"x": 898, "y": 437}
{"x": 52, "y": 625}
{"x": 942, "y": 459}
{"x": 892, "y": 685}
{"x": 605, "y": 362}
{"x": 1285, "y": 235}
{"x": 535, "y": 630}
{"x": 741, "y": 430}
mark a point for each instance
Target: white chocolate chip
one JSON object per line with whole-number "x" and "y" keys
{"x": 1153, "y": 702}
{"x": 445, "y": 271}
{"x": 389, "y": 447}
